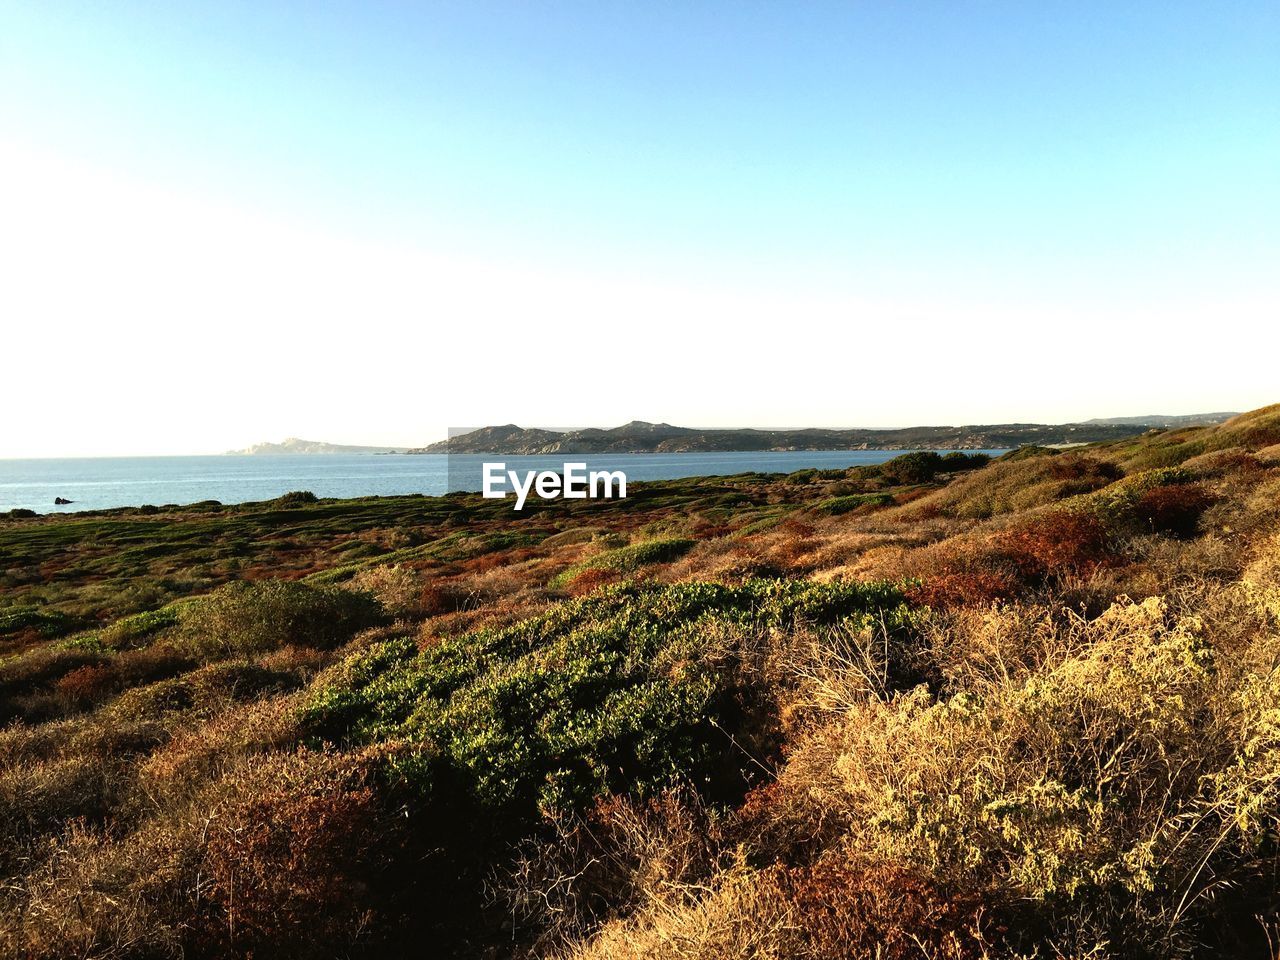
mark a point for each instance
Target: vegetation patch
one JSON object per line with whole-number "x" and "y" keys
{"x": 245, "y": 618}
{"x": 625, "y": 689}
{"x": 846, "y": 504}
{"x": 628, "y": 559}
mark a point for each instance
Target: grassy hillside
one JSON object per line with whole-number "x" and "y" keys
{"x": 942, "y": 708}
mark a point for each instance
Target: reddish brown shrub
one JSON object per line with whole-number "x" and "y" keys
{"x": 1000, "y": 566}
{"x": 791, "y": 553}
{"x": 795, "y": 528}
{"x": 445, "y": 596}
{"x": 1074, "y": 467}
{"x": 1056, "y": 542}
{"x": 293, "y": 870}
{"x": 772, "y": 824}
{"x": 705, "y": 530}
{"x": 964, "y": 588}
{"x": 1173, "y": 509}
{"x": 88, "y": 684}
{"x": 485, "y": 562}
{"x": 293, "y": 659}
{"x": 592, "y": 579}
{"x": 886, "y": 912}
{"x": 157, "y": 662}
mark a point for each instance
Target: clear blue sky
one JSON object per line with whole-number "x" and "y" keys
{"x": 1026, "y": 162}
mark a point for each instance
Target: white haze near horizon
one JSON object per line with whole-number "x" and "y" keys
{"x": 144, "y": 318}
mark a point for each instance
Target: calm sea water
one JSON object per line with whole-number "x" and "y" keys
{"x": 102, "y": 482}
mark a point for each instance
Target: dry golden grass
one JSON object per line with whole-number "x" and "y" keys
{"x": 1014, "y": 486}
{"x": 1115, "y": 765}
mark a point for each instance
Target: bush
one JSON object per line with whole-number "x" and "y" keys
{"x": 823, "y": 912}
{"x": 967, "y": 571}
{"x": 1059, "y": 542}
{"x": 592, "y": 579}
{"x": 1010, "y": 485}
{"x": 296, "y": 498}
{"x": 1117, "y": 505}
{"x": 1106, "y": 794}
{"x": 246, "y": 618}
{"x": 839, "y": 505}
{"x": 400, "y": 590}
{"x": 964, "y": 588}
{"x": 87, "y": 684}
{"x": 957, "y": 461}
{"x": 886, "y": 911}
{"x": 44, "y": 623}
{"x": 1175, "y": 510}
{"x": 919, "y": 467}
{"x": 623, "y": 689}
{"x": 625, "y": 560}
{"x": 39, "y": 669}
{"x": 296, "y": 866}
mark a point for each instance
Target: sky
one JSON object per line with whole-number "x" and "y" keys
{"x": 231, "y": 222}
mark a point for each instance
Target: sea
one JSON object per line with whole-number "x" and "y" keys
{"x": 100, "y": 483}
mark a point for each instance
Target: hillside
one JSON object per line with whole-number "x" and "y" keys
{"x": 641, "y": 437}
{"x": 941, "y": 707}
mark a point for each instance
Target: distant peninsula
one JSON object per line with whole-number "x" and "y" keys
{"x": 639, "y": 436}
{"x": 293, "y": 445}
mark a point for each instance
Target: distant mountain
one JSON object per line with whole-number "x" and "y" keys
{"x": 494, "y": 439}
{"x": 1167, "y": 422}
{"x": 641, "y": 437}
{"x": 292, "y": 445}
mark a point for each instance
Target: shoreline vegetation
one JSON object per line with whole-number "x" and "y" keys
{"x": 944, "y": 707}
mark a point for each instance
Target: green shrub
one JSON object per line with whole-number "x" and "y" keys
{"x": 296, "y": 498}
{"x": 128, "y": 631}
{"x": 628, "y": 559}
{"x": 1118, "y": 505}
{"x": 838, "y": 505}
{"x": 1019, "y": 483}
{"x": 956, "y": 461}
{"x": 245, "y": 618}
{"x": 46, "y": 623}
{"x": 621, "y": 690}
{"x": 919, "y": 467}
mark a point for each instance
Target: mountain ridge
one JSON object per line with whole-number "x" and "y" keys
{"x": 639, "y": 436}
{"x": 1165, "y": 421}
